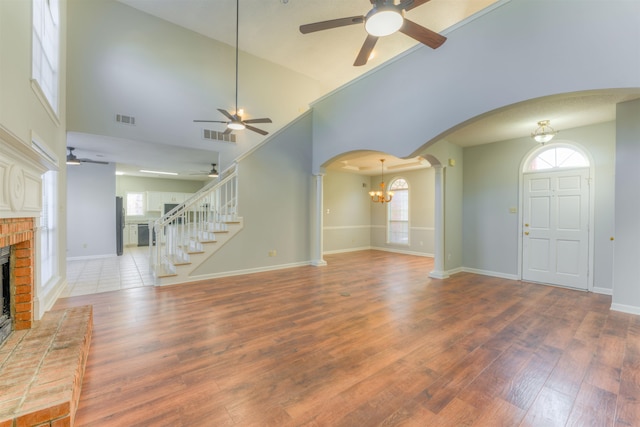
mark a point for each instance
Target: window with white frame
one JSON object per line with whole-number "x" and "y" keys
{"x": 135, "y": 204}
{"x": 46, "y": 48}
{"x": 48, "y": 229}
{"x": 558, "y": 157}
{"x": 398, "y": 213}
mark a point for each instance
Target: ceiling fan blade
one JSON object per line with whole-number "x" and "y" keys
{"x": 415, "y": 4}
{"x": 333, "y": 23}
{"x": 93, "y": 161}
{"x": 265, "y": 120}
{"x": 365, "y": 50}
{"x": 208, "y": 121}
{"x": 227, "y": 114}
{"x": 227, "y": 131}
{"x": 260, "y": 131}
{"x": 422, "y": 34}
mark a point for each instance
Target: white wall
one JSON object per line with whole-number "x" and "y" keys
{"x": 26, "y": 117}
{"x": 124, "y": 61}
{"x": 626, "y": 287}
{"x": 274, "y": 186}
{"x": 421, "y": 214}
{"x": 491, "y": 187}
{"x": 126, "y": 184}
{"x": 347, "y": 212}
{"x": 484, "y": 65}
{"x": 91, "y": 218}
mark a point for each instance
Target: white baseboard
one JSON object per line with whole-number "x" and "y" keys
{"x": 45, "y": 299}
{"x": 89, "y": 257}
{"x": 199, "y": 278}
{"x": 342, "y": 251}
{"x": 454, "y": 271}
{"x": 603, "y": 291}
{"x": 490, "y": 273}
{"x": 625, "y": 308}
{"x": 401, "y": 251}
{"x": 438, "y": 275}
{"x": 377, "y": 248}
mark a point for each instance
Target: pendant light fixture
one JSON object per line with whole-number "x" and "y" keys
{"x": 544, "y": 133}
{"x": 381, "y": 196}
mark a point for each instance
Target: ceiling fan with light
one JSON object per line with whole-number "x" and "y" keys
{"x": 213, "y": 173}
{"x": 385, "y": 18}
{"x": 73, "y": 160}
{"x": 235, "y": 121}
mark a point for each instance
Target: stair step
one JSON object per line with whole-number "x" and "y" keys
{"x": 165, "y": 272}
{"x": 176, "y": 260}
{"x": 208, "y": 241}
{"x": 167, "y": 275}
{"x": 195, "y": 252}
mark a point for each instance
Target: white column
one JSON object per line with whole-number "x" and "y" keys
{"x": 438, "y": 262}
{"x": 317, "y": 223}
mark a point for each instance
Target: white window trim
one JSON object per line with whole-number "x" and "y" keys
{"x": 388, "y": 240}
{"x": 52, "y": 110}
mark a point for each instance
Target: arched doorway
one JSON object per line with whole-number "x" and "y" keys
{"x": 556, "y": 205}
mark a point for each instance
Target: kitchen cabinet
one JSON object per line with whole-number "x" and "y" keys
{"x": 157, "y": 199}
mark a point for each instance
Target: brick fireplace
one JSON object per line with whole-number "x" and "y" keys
{"x": 18, "y": 235}
{"x": 43, "y": 357}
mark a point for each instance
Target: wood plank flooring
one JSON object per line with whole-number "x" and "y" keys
{"x": 368, "y": 340}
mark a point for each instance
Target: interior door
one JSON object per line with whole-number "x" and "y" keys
{"x": 555, "y": 247}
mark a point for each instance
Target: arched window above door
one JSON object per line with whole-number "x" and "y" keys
{"x": 556, "y": 157}
{"x": 398, "y": 213}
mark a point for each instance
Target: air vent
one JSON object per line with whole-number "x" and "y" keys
{"x": 126, "y": 120}
{"x": 218, "y": 136}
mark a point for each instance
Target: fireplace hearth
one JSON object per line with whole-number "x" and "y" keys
{"x": 5, "y": 294}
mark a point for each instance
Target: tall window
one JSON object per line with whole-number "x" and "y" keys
{"x": 48, "y": 229}
{"x": 398, "y": 213}
{"x": 135, "y": 204}
{"x": 45, "y": 48}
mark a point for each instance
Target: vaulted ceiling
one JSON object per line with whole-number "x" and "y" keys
{"x": 269, "y": 29}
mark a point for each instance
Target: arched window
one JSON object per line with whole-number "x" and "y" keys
{"x": 557, "y": 157}
{"x": 398, "y": 213}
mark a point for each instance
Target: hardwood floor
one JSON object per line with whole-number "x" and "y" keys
{"x": 368, "y": 340}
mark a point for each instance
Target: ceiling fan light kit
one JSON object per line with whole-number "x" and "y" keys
{"x": 544, "y": 133}
{"x": 383, "y": 19}
{"x": 73, "y": 160}
{"x": 214, "y": 172}
{"x": 235, "y": 120}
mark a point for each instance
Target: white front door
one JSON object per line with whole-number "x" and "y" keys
{"x": 555, "y": 245}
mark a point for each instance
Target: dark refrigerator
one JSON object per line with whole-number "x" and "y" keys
{"x": 119, "y": 225}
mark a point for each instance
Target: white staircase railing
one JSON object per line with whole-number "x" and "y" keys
{"x": 183, "y": 231}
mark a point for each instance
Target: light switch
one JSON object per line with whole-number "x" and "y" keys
{"x": 513, "y": 210}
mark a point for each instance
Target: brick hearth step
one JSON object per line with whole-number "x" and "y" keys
{"x": 41, "y": 369}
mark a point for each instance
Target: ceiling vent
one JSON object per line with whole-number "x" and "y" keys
{"x": 125, "y": 120}
{"x": 218, "y": 136}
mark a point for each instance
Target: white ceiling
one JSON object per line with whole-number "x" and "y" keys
{"x": 269, "y": 30}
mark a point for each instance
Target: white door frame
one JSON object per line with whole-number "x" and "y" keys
{"x": 523, "y": 164}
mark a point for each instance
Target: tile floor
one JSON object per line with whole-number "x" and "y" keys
{"x": 130, "y": 270}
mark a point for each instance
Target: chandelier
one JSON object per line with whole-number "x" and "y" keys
{"x": 544, "y": 132}
{"x": 381, "y": 196}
